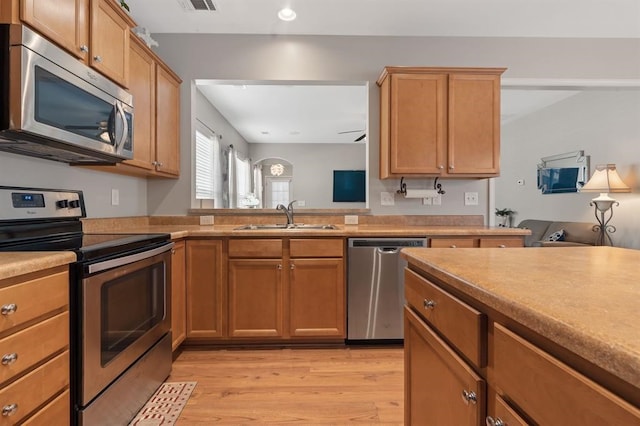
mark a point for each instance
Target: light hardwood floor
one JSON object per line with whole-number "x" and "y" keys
{"x": 302, "y": 386}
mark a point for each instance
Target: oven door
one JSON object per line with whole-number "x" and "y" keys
{"x": 125, "y": 311}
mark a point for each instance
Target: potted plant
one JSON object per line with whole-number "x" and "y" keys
{"x": 506, "y": 217}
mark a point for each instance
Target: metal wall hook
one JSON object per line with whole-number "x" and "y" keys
{"x": 438, "y": 186}
{"x": 403, "y": 187}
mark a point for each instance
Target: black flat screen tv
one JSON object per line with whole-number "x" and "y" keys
{"x": 559, "y": 180}
{"x": 349, "y": 186}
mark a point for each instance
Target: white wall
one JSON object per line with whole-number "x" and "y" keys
{"x": 248, "y": 57}
{"x": 18, "y": 170}
{"x": 313, "y": 166}
{"x": 606, "y": 125}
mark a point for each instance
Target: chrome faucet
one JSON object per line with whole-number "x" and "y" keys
{"x": 287, "y": 211}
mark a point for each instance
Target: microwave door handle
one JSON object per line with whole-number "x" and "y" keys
{"x": 125, "y": 128}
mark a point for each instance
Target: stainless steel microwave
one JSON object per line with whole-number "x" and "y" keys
{"x": 55, "y": 107}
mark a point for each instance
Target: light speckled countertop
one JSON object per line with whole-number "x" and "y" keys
{"x": 14, "y": 264}
{"x": 586, "y": 299}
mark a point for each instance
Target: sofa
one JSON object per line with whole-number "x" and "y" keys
{"x": 547, "y": 233}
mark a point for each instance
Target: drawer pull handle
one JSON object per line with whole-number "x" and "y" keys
{"x": 8, "y": 359}
{"x": 490, "y": 421}
{"x": 9, "y": 409}
{"x": 8, "y": 309}
{"x": 469, "y": 397}
{"x": 429, "y": 304}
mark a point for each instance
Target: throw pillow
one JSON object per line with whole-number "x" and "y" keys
{"x": 556, "y": 236}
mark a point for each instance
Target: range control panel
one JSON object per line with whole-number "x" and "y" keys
{"x": 29, "y": 203}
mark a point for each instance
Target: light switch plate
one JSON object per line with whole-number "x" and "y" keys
{"x": 115, "y": 197}
{"x": 351, "y": 220}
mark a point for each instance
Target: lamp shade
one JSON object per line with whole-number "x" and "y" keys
{"x": 605, "y": 179}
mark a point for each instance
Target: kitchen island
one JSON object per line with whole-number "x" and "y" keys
{"x": 543, "y": 334}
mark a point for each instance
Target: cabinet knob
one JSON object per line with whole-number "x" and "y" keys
{"x": 441, "y": 167}
{"x": 8, "y": 309}
{"x": 451, "y": 167}
{"x": 292, "y": 266}
{"x": 8, "y": 359}
{"x": 9, "y": 409}
{"x": 502, "y": 246}
{"x": 429, "y": 304}
{"x": 159, "y": 163}
{"x": 453, "y": 246}
{"x": 279, "y": 266}
{"x": 469, "y": 397}
{"x": 490, "y": 421}
{"x": 97, "y": 58}
{"x": 84, "y": 48}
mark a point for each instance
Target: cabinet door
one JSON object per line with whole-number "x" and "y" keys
{"x": 142, "y": 77}
{"x": 178, "y": 295}
{"x": 256, "y": 298}
{"x": 63, "y": 21}
{"x": 417, "y": 123}
{"x": 437, "y": 380}
{"x": 317, "y": 298}
{"x": 205, "y": 290}
{"x": 474, "y": 124}
{"x": 109, "y": 50}
{"x": 167, "y": 121}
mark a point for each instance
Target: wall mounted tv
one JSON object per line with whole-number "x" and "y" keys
{"x": 560, "y": 179}
{"x": 349, "y": 186}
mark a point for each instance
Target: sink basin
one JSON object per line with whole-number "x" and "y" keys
{"x": 283, "y": 226}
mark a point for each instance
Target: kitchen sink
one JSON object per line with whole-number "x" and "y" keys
{"x": 284, "y": 226}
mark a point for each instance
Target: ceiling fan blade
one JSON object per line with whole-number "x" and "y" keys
{"x": 350, "y": 131}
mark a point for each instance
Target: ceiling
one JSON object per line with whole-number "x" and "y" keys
{"x": 279, "y": 111}
{"x": 468, "y": 18}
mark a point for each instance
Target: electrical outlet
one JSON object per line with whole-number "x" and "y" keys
{"x": 351, "y": 220}
{"x": 386, "y": 199}
{"x": 470, "y": 198}
{"x": 115, "y": 197}
{"x": 437, "y": 200}
{"x": 301, "y": 203}
{"x": 206, "y": 220}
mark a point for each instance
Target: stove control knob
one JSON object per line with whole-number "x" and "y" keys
{"x": 74, "y": 204}
{"x": 61, "y": 204}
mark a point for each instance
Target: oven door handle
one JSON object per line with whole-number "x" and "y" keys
{"x": 126, "y": 260}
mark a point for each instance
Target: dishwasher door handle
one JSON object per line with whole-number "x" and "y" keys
{"x": 387, "y": 250}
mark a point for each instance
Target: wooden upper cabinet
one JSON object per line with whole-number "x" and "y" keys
{"x": 109, "y": 45}
{"x": 167, "y": 121}
{"x": 63, "y": 21}
{"x": 142, "y": 77}
{"x": 439, "y": 122}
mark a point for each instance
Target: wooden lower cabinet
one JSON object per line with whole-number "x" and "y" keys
{"x": 317, "y": 298}
{"x": 178, "y": 295}
{"x": 440, "y": 388}
{"x": 205, "y": 289}
{"x": 472, "y": 242}
{"x": 34, "y": 347}
{"x": 525, "y": 383}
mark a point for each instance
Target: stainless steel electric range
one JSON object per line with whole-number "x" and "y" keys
{"x": 119, "y": 301}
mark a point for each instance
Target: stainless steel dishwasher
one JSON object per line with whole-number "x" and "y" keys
{"x": 375, "y": 287}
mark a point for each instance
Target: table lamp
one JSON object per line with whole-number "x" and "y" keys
{"x": 604, "y": 180}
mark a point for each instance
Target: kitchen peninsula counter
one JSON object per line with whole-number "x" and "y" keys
{"x": 583, "y": 300}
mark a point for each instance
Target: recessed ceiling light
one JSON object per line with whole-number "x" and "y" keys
{"x": 287, "y": 14}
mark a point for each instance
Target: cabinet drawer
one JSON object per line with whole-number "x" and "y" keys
{"x": 501, "y": 242}
{"x": 255, "y": 248}
{"x": 436, "y": 380}
{"x": 57, "y": 409}
{"x": 33, "y": 344}
{"x": 34, "y": 298}
{"x": 459, "y": 323}
{"x": 555, "y": 394}
{"x": 35, "y": 388}
{"x": 503, "y": 414}
{"x": 453, "y": 243}
{"x": 315, "y": 247}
